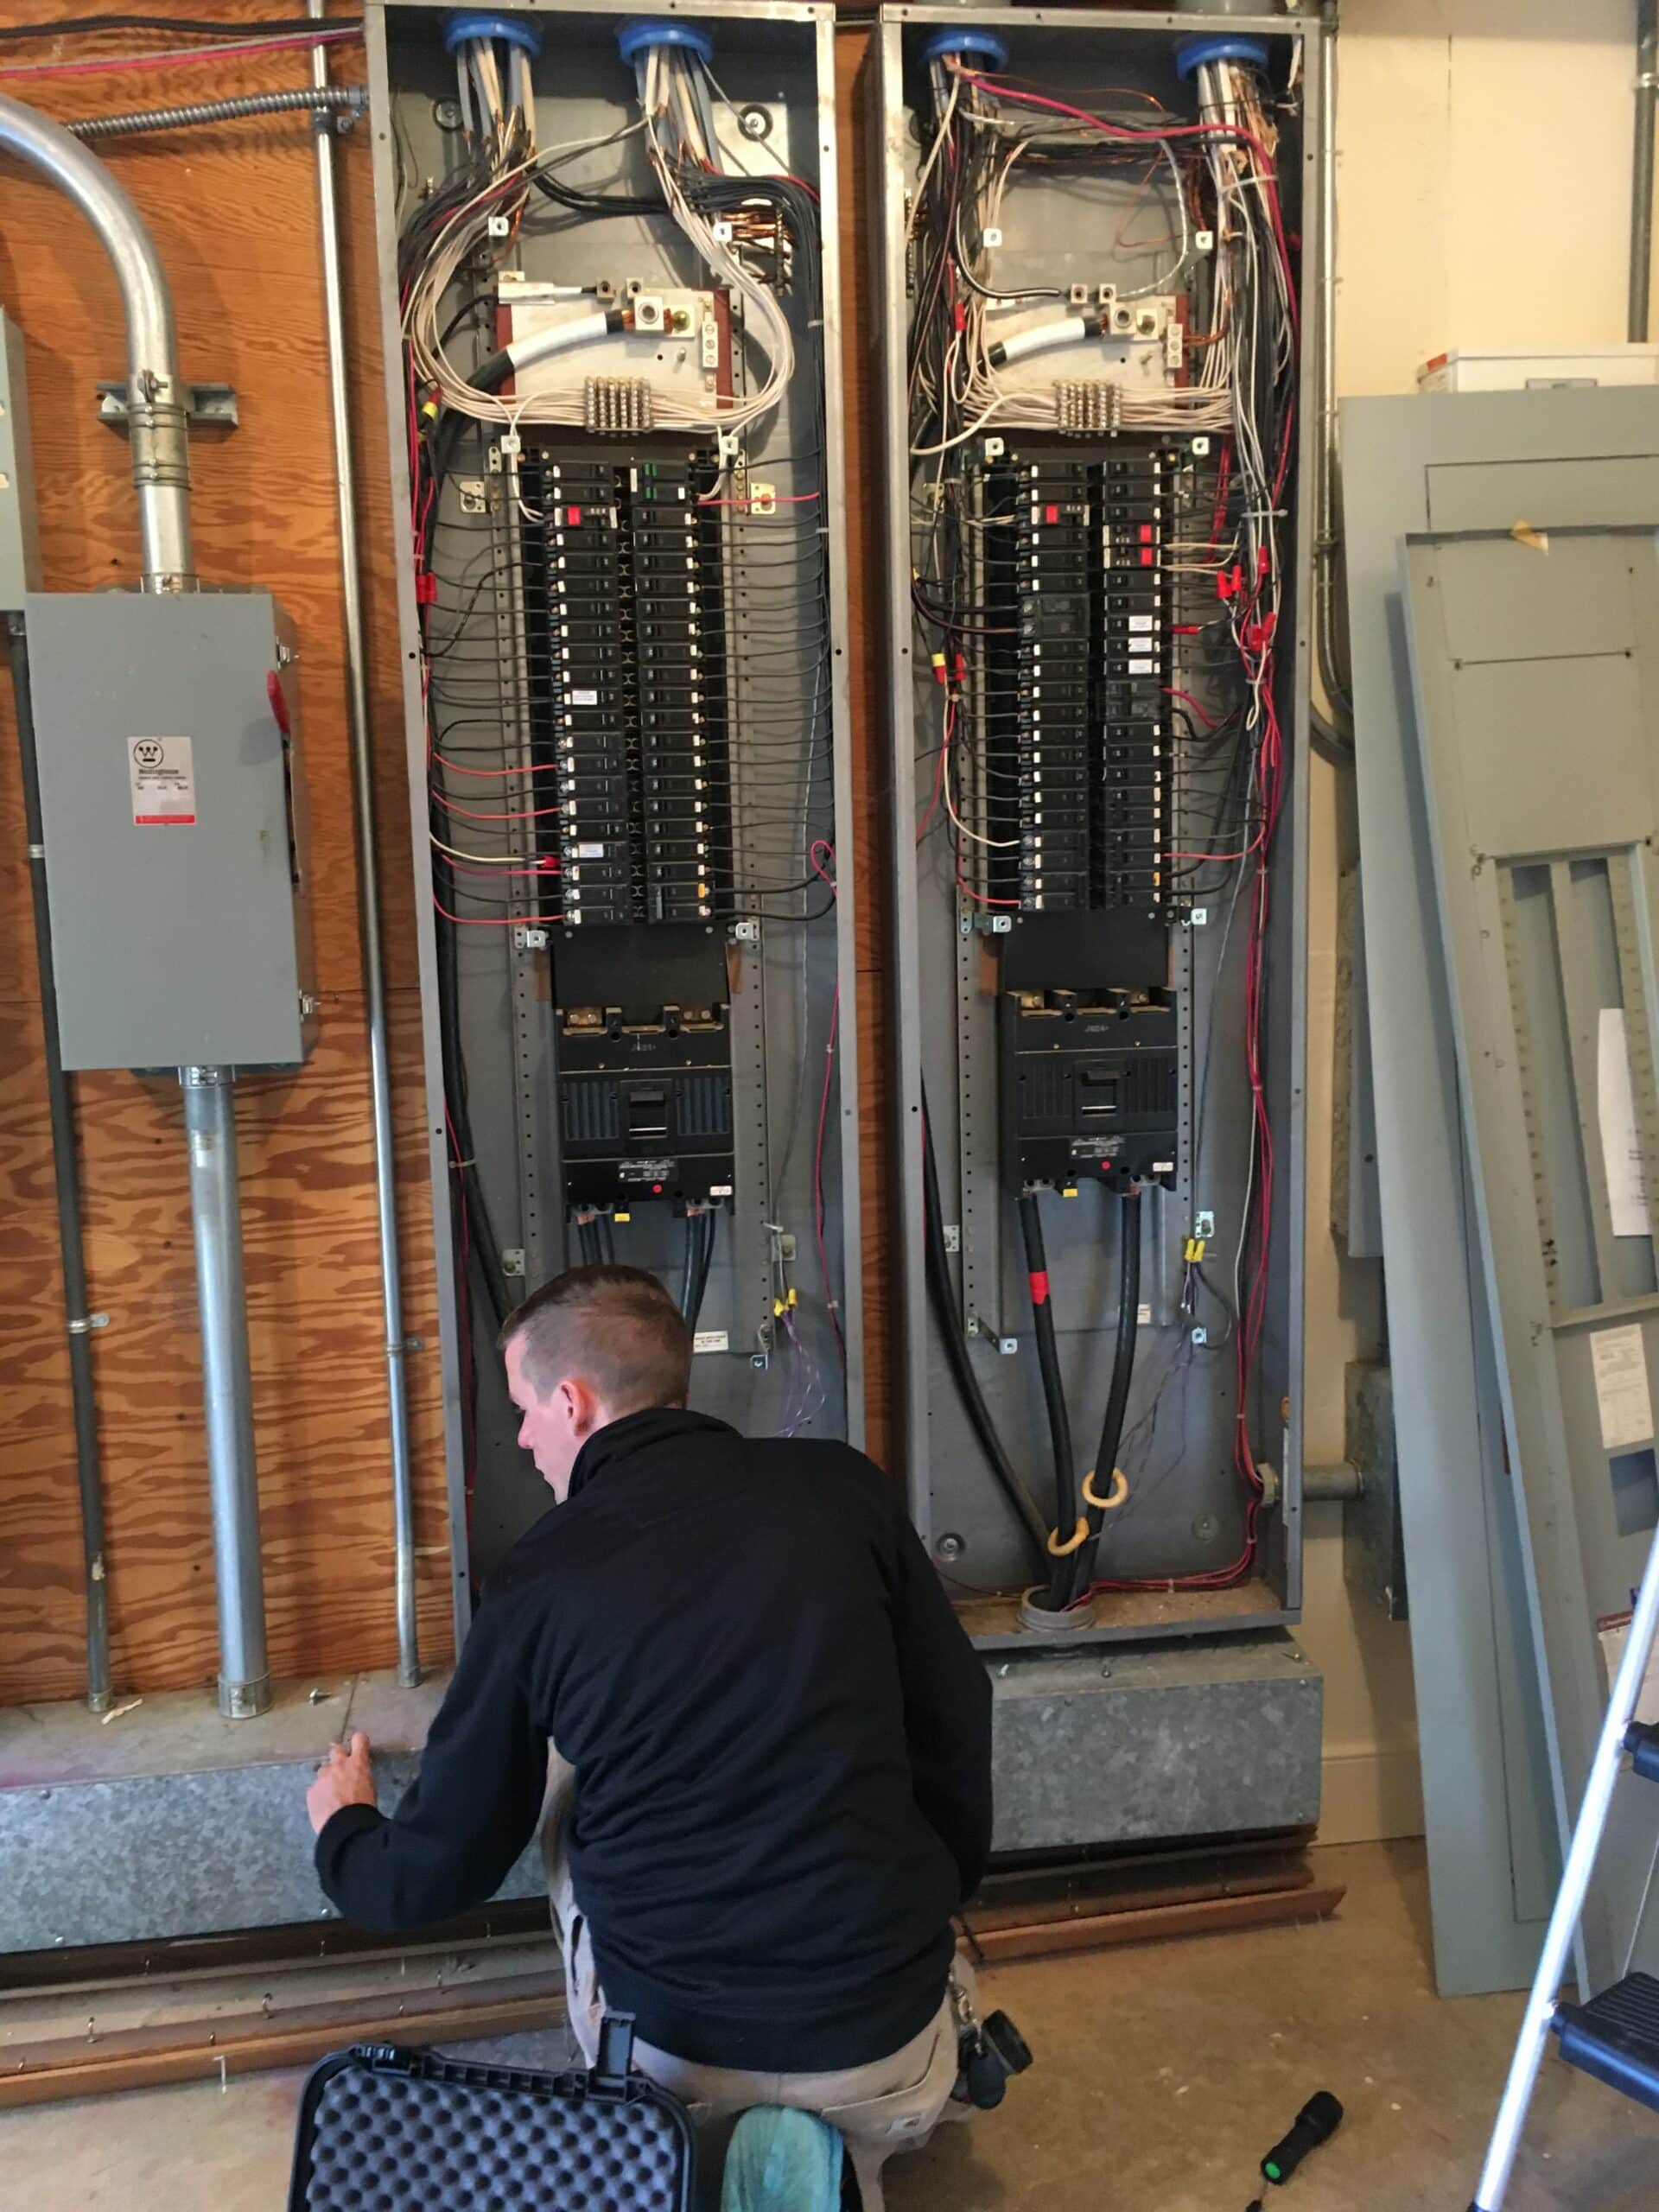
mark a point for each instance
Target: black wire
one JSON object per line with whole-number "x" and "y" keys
{"x": 1080, "y": 1567}
{"x": 1025, "y": 1509}
{"x": 699, "y": 1251}
{"x": 1048, "y": 1361}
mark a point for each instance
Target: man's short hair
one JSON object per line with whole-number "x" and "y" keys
{"x": 615, "y": 1328}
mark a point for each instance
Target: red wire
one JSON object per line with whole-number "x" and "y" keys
{"x": 938, "y": 772}
{"x": 471, "y": 814}
{"x": 180, "y": 57}
{"x": 1268, "y": 180}
{"x": 1187, "y": 700}
{"x": 499, "y": 921}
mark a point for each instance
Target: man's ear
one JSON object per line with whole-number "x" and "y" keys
{"x": 580, "y": 1404}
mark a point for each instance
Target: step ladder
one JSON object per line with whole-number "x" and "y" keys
{"x": 1615, "y": 2037}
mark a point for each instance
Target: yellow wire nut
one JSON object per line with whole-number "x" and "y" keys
{"x": 1114, "y": 1497}
{"x": 1195, "y": 1248}
{"x": 1078, "y": 1538}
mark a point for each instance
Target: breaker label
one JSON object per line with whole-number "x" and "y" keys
{"x": 161, "y": 773}
{"x": 711, "y": 1340}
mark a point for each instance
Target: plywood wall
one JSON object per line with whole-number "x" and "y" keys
{"x": 233, "y": 212}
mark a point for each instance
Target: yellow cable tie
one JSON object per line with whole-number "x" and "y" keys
{"x": 1114, "y": 1497}
{"x": 1078, "y": 1538}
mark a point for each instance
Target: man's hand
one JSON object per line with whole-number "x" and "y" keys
{"x": 348, "y": 1779}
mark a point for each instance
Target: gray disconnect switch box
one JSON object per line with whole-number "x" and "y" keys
{"x": 177, "y": 853}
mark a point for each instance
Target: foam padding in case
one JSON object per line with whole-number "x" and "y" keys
{"x": 385, "y": 2131}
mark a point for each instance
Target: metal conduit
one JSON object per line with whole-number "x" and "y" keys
{"x": 1647, "y": 105}
{"x": 155, "y": 397}
{"x": 350, "y": 100}
{"x": 374, "y": 983}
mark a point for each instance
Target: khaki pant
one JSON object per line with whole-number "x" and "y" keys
{"x": 894, "y": 2104}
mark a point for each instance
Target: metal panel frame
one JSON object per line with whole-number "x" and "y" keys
{"x": 1283, "y": 1352}
{"x": 1579, "y": 1563}
{"x": 819, "y": 20}
{"x": 1487, "y": 1760}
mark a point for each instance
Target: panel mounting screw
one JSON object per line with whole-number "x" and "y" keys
{"x": 447, "y": 114}
{"x": 755, "y": 122}
{"x": 1200, "y": 1335}
{"x": 950, "y": 1546}
{"x": 1007, "y": 1347}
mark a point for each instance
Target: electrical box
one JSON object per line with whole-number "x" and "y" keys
{"x": 1515, "y": 368}
{"x": 1095, "y": 226}
{"x": 173, "y": 799}
{"x": 626, "y": 654}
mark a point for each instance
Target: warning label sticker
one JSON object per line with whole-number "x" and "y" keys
{"x": 161, "y": 773}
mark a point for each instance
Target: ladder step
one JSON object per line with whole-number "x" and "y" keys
{"x": 1615, "y": 2037}
{"x": 1641, "y": 1742}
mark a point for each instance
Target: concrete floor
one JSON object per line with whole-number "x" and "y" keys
{"x": 1162, "y": 2075}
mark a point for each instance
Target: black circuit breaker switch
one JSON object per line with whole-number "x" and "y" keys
{"x": 646, "y": 1107}
{"x": 1090, "y": 1085}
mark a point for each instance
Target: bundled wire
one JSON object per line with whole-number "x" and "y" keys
{"x": 701, "y": 1224}
{"x": 677, "y": 97}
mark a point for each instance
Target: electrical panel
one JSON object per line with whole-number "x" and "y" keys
{"x": 1094, "y": 354}
{"x": 616, "y": 406}
{"x": 177, "y": 834}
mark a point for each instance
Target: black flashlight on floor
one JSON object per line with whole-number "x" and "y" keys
{"x": 1316, "y": 2122}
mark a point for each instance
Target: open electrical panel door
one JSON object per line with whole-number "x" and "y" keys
{"x": 1094, "y": 231}
{"x": 611, "y": 302}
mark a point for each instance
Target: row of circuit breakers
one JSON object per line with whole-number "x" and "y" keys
{"x": 625, "y": 618}
{"x": 1077, "y": 751}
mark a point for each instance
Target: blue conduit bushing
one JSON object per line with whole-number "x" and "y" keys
{"x": 465, "y": 25}
{"x": 1198, "y": 53}
{"x": 983, "y": 47}
{"x": 643, "y": 32}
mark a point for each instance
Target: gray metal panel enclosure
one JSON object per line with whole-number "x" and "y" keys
{"x": 1189, "y": 1516}
{"x": 786, "y": 984}
{"x": 1492, "y": 1788}
{"x": 185, "y": 936}
{"x": 1536, "y": 664}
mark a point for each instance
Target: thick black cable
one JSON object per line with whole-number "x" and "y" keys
{"x": 1082, "y": 1564}
{"x": 699, "y": 1251}
{"x": 943, "y": 1295}
{"x": 1048, "y": 1362}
